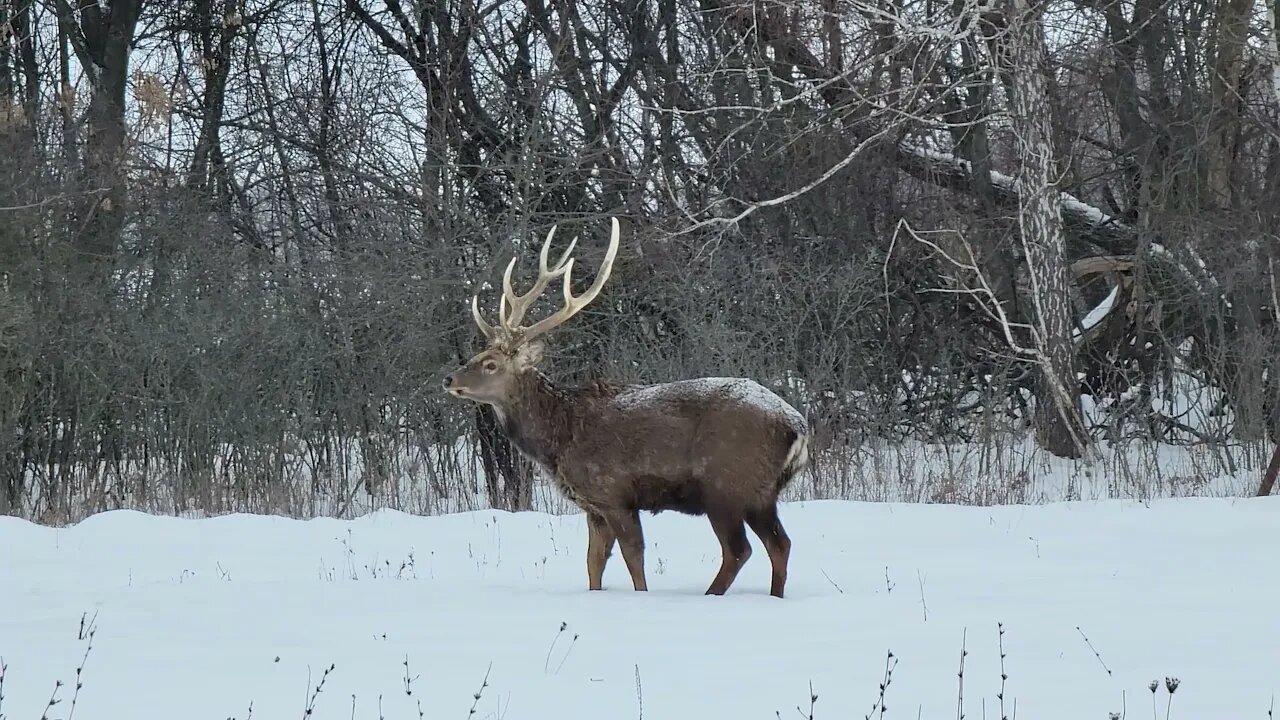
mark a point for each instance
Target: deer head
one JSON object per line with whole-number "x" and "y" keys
{"x": 514, "y": 349}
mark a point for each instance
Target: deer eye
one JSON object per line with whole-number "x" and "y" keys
{"x": 490, "y": 366}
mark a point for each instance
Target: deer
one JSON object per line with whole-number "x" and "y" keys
{"x": 719, "y": 447}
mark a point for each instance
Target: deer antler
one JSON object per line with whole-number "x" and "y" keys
{"x": 485, "y": 328}
{"x": 572, "y": 305}
{"x": 509, "y": 322}
{"x": 520, "y": 303}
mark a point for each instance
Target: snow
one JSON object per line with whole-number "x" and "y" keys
{"x": 204, "y": 618}
{"x": 1087, "y": 212}
{"x": 741, "y": 389}
{"x": 1091, "y": 213}
{"x": 1098, "y": 313}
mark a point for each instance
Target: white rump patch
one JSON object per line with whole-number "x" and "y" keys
{"x": 798, "y": 455}
{"x": 741, "y": 389}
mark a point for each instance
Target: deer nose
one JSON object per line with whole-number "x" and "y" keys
{"x": 448, "y": 380}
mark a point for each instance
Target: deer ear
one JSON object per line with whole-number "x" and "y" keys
{"x": 529, "y": 354}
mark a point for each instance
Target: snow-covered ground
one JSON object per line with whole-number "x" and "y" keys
{"x": 202, "y": 618}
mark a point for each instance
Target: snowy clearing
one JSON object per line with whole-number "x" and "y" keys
{"x": 201, "y": 618}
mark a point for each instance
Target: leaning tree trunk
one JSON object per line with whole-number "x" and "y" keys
{"x": 1057, "y": 422}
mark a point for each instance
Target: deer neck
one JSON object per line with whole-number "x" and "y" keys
{"x": 538, "y": 420}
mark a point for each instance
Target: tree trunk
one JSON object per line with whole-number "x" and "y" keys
{"x": 215, "y": 32}
{"x": 501, "y": 463}
{"x": 1273, "y": 48}
{"x": 102, "y": 38}
{"x": 1269, "y": 477}
{"x": 8, "y": 71}
{"x": 103, "y": 44}
{"x": 1057, "y": 422}
{"x": 1225, "y": 85}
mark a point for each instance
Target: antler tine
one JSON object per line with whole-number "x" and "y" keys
{"x": 520, "y": 303}
{"x": 564, "y": 257}
{"x": 485, "y": 328}
{"x": 572, "y": 305}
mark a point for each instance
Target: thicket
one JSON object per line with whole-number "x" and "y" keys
{"x": 238, "y": 238}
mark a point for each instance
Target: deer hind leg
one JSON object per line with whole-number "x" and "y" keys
{"x": 734, "y": 548}
{"x": 626, "y": 526}
{"x": 600, "y": 540}
{"x": 766, "y": 524}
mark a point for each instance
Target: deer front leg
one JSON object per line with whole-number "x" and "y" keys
{"x": 600, "y": 539}
{"x": 626, "y": 525}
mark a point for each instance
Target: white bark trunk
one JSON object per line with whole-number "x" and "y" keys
{"x": 1273, "y": 48}
{"x": 1058, "y": 425}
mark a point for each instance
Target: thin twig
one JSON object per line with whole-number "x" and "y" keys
{"x": 924, "y": 607}
{"x": 833, "y": 582}
{"x": 1095, "y": 652}
{"x": 50, "y": 200}
{"x": 639, "y": 694}
{"x": 960, "y": 687}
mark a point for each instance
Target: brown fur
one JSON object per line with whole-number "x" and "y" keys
{"x": 696, "y": 448}
{"x": 720, "y": 447}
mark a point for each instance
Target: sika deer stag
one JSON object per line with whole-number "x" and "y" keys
{"x": 720, "y": 447}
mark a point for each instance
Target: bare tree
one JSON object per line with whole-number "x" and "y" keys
{"x": 1022, "y": 48}
{"x": 102, "y": 38}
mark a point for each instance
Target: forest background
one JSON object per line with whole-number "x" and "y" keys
{"x": 998, "y": 251}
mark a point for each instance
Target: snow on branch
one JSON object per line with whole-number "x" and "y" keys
{"x": 1113, "y": 266}
{"x": 1106, "y": 231}
{"x": 946, "y": 170}
{"x": 1099, "y": 313}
